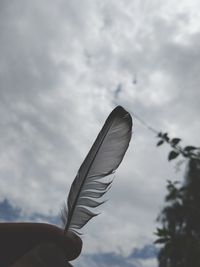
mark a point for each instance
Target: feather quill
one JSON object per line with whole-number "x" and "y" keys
{"x": 103, "y": 159}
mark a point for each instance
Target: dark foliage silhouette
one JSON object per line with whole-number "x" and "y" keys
{"x": 180, "y": 218}
{"x": 188, "y": 152}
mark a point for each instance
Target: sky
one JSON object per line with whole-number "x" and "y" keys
{"x": 64, "y": 65}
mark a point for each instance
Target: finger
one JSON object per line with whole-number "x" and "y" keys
{"x": 72, "y": 245}
{"x": 44, "y": 255}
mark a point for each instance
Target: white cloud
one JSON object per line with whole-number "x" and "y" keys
{"x": 60, "y": 64}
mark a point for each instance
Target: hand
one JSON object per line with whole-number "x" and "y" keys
{"x": 37, "y": 245}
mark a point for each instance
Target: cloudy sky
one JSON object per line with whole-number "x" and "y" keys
{"x": 64, "y": 65}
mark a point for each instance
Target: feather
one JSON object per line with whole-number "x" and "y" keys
{"x": 103, "y": 159}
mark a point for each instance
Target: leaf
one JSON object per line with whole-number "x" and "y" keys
{"x": 160, "y": 143}
{"x": 165, "y": 136}
{"x": 189, "y": 148}
{"x": 161, "y": 240}
{"x": 175, "y": 141}
{"x": 172, "y": 155}
{"x": 162, "y": 232}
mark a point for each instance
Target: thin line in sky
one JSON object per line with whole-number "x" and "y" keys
{"x": 144, "y": 123}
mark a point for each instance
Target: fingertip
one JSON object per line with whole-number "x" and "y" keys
{"x": 75, "y": 243}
